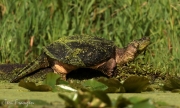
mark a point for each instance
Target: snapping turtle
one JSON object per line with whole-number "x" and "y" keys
{"x": 73, "y": 52}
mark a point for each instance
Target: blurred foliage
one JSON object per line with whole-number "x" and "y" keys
{"x": 93, "y": 92}
{"x": 87, "y": 99}
{"x": 99, "y": 99}
{"x": 172, "y": 84}
{"x": 133, "y": 84}
{"x": 33, "y": 87}
{"x": 26, "y": 26}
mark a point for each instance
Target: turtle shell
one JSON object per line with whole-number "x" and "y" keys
{"x": 81, "y": 50}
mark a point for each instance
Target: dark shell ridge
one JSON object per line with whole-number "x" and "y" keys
{"x": 81, "y": 50}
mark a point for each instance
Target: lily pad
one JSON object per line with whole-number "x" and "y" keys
{"x": 114, "y": 85}
{"x": 102, "y": 96}
{"x": 93, "y": 84}
{"x": 135, "y": 99}
{"x": 33, "y": 87}
{"x": 76, "y": 84}
{"x": 51, "y": 79}
{"x": 172, "y": 84}
{"x": 60, "y": 81}
{"x": 146, "y": 103}
{"x": 135, "y": 84}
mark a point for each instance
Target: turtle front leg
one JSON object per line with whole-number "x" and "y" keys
{"x": 58, "y": 69}
{"x": 62, "y": 69}
{"x": 108, "y": 68}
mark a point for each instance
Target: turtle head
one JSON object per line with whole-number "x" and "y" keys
{"x": 132, "y": 50}
{"x": 140, "y": 44}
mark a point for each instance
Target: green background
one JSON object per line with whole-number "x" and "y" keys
{"x": 41, "y": 22}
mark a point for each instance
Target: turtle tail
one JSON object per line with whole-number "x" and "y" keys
{"x": 40, "y": 62}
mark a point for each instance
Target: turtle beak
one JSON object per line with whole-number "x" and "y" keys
{"x": 143, "y": 43}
